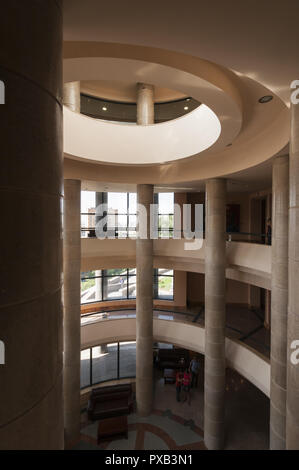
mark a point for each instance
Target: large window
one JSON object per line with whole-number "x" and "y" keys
{"x": 163, "y": 284}
{"x": 108, "y": 362}
{"x": 120, "y": 284}
{"x": 108, "y": 284}
{"x": 121, "y": 213}
{"x": 165, "y": 214}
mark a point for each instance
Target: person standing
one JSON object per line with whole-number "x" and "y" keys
{"x": 194, "y": 369}
{"x": 187, "y": 385}
{"x": 178, "y": 384}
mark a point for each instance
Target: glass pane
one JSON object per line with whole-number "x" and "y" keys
{"x": 165, "y": 287}
{"x": 165, "y": 221}
{"x": 122, "y": 222}
{"x": 115, "y": 287}
{"x": 91, "y": 290}
{"x": 132, "y": 270}
{"x": 117, "y": 202}
{"x": 132, "y": 287}
{"x": 132, "y": 203}
{"x": 127, "y": 359}
{"x": 112, "y": 221}
{"x": 91, "y": 286}
{"x": 88, "y": 201}
{"x": 132, "y": 221}
{"x": 166, "y": 203}
{"x": 85, "y": 368}
{"x": 122, "y": 234}
{"x": 104, "y": 362}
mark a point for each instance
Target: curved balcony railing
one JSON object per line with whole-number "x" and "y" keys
{"x": 178, "y": 329}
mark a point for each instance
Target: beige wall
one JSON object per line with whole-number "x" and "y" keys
{"x": 195, "y": 288}
{"x": 236, "y": 292}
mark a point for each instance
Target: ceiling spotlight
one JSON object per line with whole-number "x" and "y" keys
{"x": 186, "y": 108}
{"x": 188, "y": 99}
{"x": 265, "y": 99}
{"x": 104, "y": 108}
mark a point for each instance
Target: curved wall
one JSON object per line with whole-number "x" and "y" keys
{"x": 111, "y": 142}
{"x": 251, "y": 365}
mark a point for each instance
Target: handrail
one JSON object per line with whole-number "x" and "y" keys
{"x": 243, "y": 335}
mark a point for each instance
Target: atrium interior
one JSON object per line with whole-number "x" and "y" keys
{"x": 150, "y": 243}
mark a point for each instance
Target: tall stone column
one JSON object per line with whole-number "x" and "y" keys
{"x": 145, "y": 104}
{"x": 279, "y": 302}
{"x": 144, "y": 303}
{"x": 71, "y": 294}
{"x": 215, "y": 263}
{"x": 144, "y": 265}
{"x": 31, "y": 410}
{"x": 292, "y": 423}
{"x": 71, "y": 96}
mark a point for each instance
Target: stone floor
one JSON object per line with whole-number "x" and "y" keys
{"x": 177, "y": 425}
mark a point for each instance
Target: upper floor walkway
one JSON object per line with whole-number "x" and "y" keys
{"x": 246, "y": 262}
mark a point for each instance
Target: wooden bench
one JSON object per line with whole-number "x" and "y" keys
{"x": 113, "y": 428}
{"x": 110, "y": 401}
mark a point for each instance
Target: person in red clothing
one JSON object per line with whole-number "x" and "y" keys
{"x": 178, "y": 384}
{"x": 187, "y": 385}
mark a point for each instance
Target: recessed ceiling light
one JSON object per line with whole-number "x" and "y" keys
{"x": 188, "y": 99}
{"x": 186, "y": 108}
{"x": 104, "y": 108}
{"x": 265, "y": 99}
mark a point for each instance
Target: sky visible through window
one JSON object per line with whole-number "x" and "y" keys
{"x": 119, "y": 201}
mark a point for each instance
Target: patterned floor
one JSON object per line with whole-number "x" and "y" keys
{"x": 162, "y": 430}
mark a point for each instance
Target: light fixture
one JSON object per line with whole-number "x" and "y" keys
{"x": 265, "y": 99}
{"x": 186, "y": 108}
{"x": 104, "y": 108}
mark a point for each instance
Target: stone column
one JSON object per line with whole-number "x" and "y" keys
{"x": 31, "y": 410}
{"x": 144, "y": 304}
{"x": 71, "y": 96}
{"x": 145, "y": 104}
{"x": 279, "y": 302}
{"x": 71, "y": 294}
{"x": 215, "y": 263}
{"x": 292, "y": 423}
{"x": 144, "y": 265}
